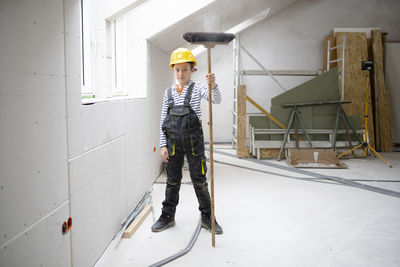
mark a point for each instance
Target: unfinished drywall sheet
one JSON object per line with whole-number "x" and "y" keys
{"x": 34, "y": 171}
{"x": 139, "y": 145}
{"x": 321, "y": 88}
{"x": 260, "y": 122}
{"x": 160, "y": 78}
{"x": 97, "y": 177}
{"x": 42, "y": 244}
{"x": 111, "y": 140}
{"x": 392, "y": 79}
{"x": 33, "y": 186}
{"x": 96, "y": 157}
{"x": 97, "y": 200}
{"x": 90, "y": 126}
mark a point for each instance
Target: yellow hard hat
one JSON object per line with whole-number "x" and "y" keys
{"x": 181, "y": 55}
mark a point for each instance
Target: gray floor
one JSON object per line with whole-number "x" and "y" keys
{"x": 276, "y": 219}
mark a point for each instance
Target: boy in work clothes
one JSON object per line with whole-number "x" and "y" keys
{"x": 181, "y": 134}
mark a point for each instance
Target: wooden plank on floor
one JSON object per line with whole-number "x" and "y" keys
{"x": 137, "y": 222}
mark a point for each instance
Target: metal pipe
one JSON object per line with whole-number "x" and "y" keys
{"x": 332, "y": 48}
{"x": 335, "y": 60}
{"x": 264, "y": 69}
{"x": 343, "y": 64}
{"x": 328, "y": 55}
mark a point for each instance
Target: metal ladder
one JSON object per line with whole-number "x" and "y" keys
{"x": 343, "y": 59}
{"x": 236, "y": 82}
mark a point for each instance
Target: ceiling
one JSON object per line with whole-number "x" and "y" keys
{"x": 218, "y": 16}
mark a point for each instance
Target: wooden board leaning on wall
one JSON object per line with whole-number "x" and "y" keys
{"x": 242, "y": 151}
{"x": 360, "y": 48}
{"x": 355, "y": 82}
{"x": 384, "y": 138}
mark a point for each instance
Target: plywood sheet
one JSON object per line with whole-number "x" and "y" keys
{"x": 270, "y": 153}
{"x": 243, "y": 153}
{"x": 355, "y": 84}
{"x": 382, "y": 98}
{"x": 241, "y": 118}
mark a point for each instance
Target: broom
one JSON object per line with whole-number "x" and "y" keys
{"x": 209, "y": 40}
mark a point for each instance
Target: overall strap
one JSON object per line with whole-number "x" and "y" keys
{"x": 170, "y": 98}
{"x": 188, "y": 95}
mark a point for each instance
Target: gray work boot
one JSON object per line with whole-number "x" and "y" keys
{"x": 206, "y": 223}
{"x": 165, "y": 221}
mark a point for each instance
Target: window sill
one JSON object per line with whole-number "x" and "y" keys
{"x": 90, "y": 101}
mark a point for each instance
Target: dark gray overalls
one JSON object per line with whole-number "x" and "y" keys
{"x": 184, "y": 135}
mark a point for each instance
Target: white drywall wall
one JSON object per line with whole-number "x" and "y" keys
{"x": 392, "y": 81}
{"x": 98, "y": 196}
{"x": 33, "y": 143}
{"x": 112, "y": 161}
{"x": 61, "y": 158}
{"x": 292, "y": 39}
{"x": 160, "y": 78}
{"x": 222, "y": 66}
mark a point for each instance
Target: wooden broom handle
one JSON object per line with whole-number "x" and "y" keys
{"x": 211, "y": 150}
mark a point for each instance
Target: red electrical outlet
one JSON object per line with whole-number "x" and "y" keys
{"x": 66, "y": 226}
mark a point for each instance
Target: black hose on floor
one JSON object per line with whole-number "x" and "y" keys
{"x": 182, "y": 252}
{"x": 337, "y": 179}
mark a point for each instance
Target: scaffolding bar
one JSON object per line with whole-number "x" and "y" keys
{"x": 282, "y": 72}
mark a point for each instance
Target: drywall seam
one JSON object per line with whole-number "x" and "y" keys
{"x": 36, "y": 223}
{"x": 97, "y": 147}
{"x": 66, "y": 123}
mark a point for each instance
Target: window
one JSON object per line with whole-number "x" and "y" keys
{"x": 114, "y": 55}
{"x": 88, "y": 50}
{"x": 129, "y": 57}
{"x": 119, "y": 66}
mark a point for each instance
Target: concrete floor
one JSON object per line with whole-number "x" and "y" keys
{"x": 274, "y": 219}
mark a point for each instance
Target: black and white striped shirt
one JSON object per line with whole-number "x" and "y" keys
{"x": 199, "y": 91}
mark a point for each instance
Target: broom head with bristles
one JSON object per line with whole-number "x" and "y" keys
{"x": 208, "y": 37}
